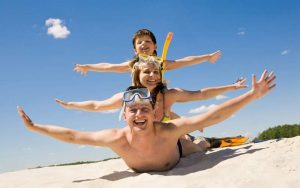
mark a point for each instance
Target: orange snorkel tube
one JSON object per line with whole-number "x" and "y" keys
{"x": 164, "y": 53}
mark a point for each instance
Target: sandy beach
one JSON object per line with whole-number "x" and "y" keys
{"x": 274, "y": 163}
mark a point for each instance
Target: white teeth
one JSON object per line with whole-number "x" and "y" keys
{"x": 144, "y": 49}
{"x": 140, "y": 121}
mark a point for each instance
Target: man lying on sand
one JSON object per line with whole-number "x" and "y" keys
{"x": 146, "y": 145}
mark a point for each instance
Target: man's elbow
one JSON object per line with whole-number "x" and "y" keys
{"x": 70, "y": 136}
{"x": 213, "y": 119}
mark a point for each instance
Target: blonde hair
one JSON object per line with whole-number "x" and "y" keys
{"x": 138, "y": 66}
{"x": 135, "y": 75}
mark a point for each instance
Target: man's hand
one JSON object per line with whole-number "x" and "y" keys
{"x": 82, "y": 69}
{"x": 26, "y": 120}
{"x": 265, "y": 84}
{"x": 213, "y": 57}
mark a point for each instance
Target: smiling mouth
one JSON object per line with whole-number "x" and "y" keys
{"x": 146, "y": 49}
{"x": 152, "y": 81}
{"x": 139, "y": 122}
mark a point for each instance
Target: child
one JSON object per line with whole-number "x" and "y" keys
{"x": 144, "y": 42}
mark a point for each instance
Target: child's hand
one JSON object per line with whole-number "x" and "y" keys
{"x": 214, "y": 56}
{"x": 82, "y": 69}
{"x": 63, "y": 103}
{"x": 239, "y": 84}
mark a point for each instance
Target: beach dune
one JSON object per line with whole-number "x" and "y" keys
{"x": 274, "y": 163}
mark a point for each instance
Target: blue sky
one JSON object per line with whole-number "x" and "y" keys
{"x": 38, "y": 67}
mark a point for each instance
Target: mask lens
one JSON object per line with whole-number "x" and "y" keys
{"x": 130, "y": 95}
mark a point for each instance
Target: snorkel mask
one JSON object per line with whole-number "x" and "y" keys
{"x": 133, "y": 96}
{"x": 140, "y": 94}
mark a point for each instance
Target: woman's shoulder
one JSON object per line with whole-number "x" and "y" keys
{"x": 171, "y": 91}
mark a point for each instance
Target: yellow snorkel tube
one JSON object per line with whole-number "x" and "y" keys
{"x": 164, "y": 53}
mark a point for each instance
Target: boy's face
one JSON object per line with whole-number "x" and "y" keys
{"x": 144, "y": 45}
{"x": 139, "y": 115}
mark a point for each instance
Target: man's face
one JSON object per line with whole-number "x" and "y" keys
{"x": 144, "y": 45}
{"x": 139, "y": 116}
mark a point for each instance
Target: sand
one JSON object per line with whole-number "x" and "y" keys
{"x": 274, "y": 163}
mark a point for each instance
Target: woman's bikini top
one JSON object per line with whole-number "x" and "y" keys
{"x": 165, "y": 118}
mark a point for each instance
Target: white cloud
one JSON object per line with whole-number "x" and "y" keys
{"x": 241, "y": 33}
{"x": 202, "y": 109}
{"x": 284, "y": 52}
{"x": 110, "y": 111}
{"x": 220, "y": 97}
{"x": 56, "y": 28}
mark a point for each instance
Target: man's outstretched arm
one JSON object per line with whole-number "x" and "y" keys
{"x": 218, "y": 114}
{"x": 105, "y": 138}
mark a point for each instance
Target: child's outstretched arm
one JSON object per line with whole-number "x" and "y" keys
{"x": 115, "y": 102}
{"x": 102, "y": 67}
{"x": 192, "y": 60}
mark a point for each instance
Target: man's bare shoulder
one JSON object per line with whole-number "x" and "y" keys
{"x": 164, "y": 127}
{"x": 115, "y": 137}
{"x": 121, "y": 133}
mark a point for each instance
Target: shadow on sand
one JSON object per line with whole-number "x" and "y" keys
{"x": 112, "y": 177}
{"x": 199, "y": 162}
{"x": 193, "y": 163}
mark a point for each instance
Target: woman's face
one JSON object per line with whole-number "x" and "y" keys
{"x": 144, "y": 45}
{"x": 150, "y": 76}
